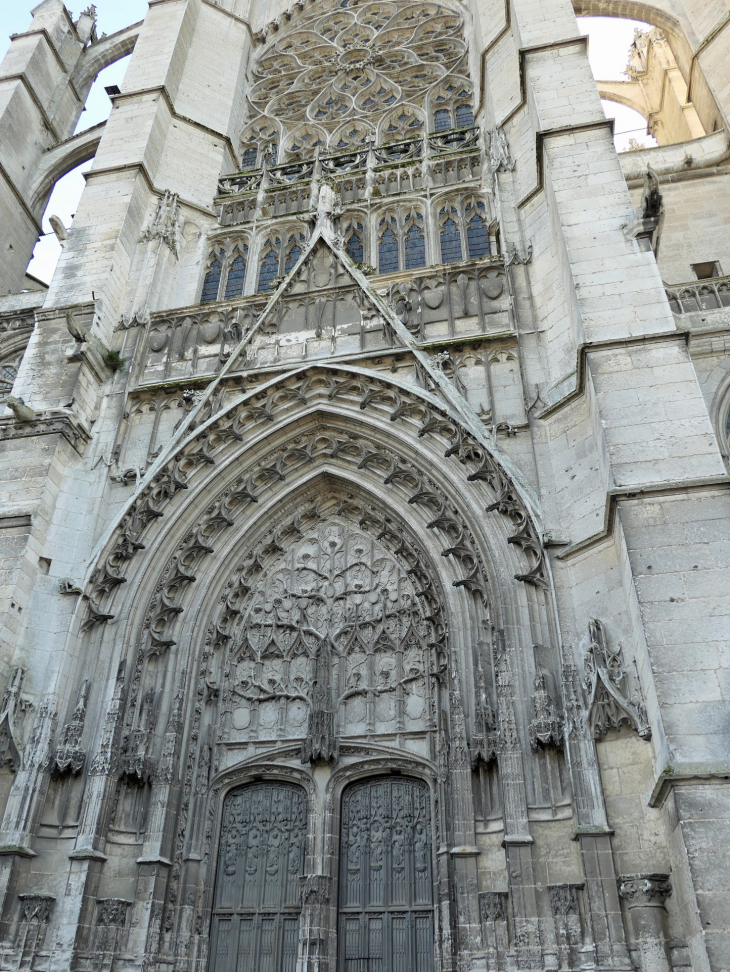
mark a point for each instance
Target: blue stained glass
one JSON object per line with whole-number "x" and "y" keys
{"x": 477, "y": 237}
{"x": 450, "y": 242}
{"x": 249, "y": 158}
{"x": 212, "y": 282}
{"x": 354, "y": 247}
{"x": 464, "y": 116}
{"x": 269, "y": 269}
{"x": 727, "y": 425}
{"x": 292, "y": 256}
{"x": 442, "y": 120}
{"x": 415, "y": 248}
{"x": 236, "y": 276}
{"x": 388, "y": 252}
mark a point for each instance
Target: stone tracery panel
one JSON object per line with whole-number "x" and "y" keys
{"x": 362, "y": 60}
{"x": 333, "y": 591}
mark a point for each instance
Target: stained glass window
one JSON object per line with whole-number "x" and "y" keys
{"x": 292, "y": 256}
{"x": 354, "y": 245}
{"x": 727, "y": 426}
{"x": 236, "y": 277}
{"x": 450, "y": 242}
{"x": 249, "y": 158}
{"x": 269, "y": 270}
{"x": 388, "y": 252}
{"x": 212, "y": 281}
{"x": 464, "y": 116}
{"x": 477, "y": 237}
{"x": 415, "y": 248}
{"x": 442, "y": 120}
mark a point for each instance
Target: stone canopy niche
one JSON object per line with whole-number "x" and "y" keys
{"x": 333, "y": 644}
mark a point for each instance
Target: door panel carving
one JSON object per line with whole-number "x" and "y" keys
{"x": 386, "y": 880}
{"x": 257, "y": 895}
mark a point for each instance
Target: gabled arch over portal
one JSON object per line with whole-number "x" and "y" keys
{"x": 237, "y": 431}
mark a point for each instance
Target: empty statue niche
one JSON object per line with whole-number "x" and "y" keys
{"x": 546, "y": 729}
{"x": 136, "y": 764}
{"x": 62, "y": 809}
{"x": 484, "y": 744}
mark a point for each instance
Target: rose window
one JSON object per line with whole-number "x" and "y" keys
{"x": 364, "y": 59}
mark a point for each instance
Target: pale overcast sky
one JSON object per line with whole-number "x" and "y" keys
{"x": 610, "y": 40}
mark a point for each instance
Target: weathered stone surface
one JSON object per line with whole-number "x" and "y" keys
{"x": 364, "y": 509}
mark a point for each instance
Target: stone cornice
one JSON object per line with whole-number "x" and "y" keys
{"x": 645, "y": 492}
{"x": 54, "y": 422}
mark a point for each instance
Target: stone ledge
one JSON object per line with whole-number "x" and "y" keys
{"x": 698, "y": 774}
{"x": 56, "y": 422}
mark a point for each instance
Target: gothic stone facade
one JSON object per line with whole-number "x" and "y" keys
{"x": 365, "y": 524}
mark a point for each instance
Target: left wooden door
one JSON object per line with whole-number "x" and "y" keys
{"x": 257, "y": 900}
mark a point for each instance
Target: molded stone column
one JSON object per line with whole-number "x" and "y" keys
{"x": 645, "y": 895}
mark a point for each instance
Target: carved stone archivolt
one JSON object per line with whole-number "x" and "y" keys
{"x": 426, "y": 417}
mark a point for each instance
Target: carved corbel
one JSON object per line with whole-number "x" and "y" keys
{"x": 606, "y": 682}
{"x": 546, "y": 728}
{"x": 69, "y": 756}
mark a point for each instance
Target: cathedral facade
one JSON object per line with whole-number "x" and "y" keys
{"x": 364, "y": 505}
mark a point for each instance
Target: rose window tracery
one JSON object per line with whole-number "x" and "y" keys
{"x": 362, "y": 59}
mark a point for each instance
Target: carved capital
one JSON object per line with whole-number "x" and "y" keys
{"x": 645, "y": 890}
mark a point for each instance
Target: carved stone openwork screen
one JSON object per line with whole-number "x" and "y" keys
{"x": 333, "y": 624}
{"x": 386, "y": 883}
{"x": 258, "y": 890}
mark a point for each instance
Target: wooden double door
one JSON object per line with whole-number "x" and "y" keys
{"x": 386, "y": 918}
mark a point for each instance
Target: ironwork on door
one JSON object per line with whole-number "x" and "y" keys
{"x": 386, "y": 919}
{"x": 257, "y": 900}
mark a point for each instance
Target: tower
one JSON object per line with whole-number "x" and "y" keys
{"x": 363, "y": 517}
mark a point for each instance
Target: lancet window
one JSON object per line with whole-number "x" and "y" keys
{"x": 354, "y": 236}
{"x": 225, "y": 275}
{"x": 213, "y": 274}
{"x": 463, "y": 230}
{"x": 452, "y": 106}
{"x": 259, "y": 142}
{"x": 236, "y": 276}
{"x": 279, "y": 253}
{"x": 401, "y": 240}
{"x": 304, "y": 140}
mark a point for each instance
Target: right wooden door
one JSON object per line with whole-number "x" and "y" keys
{"x": 386, "y": 916}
